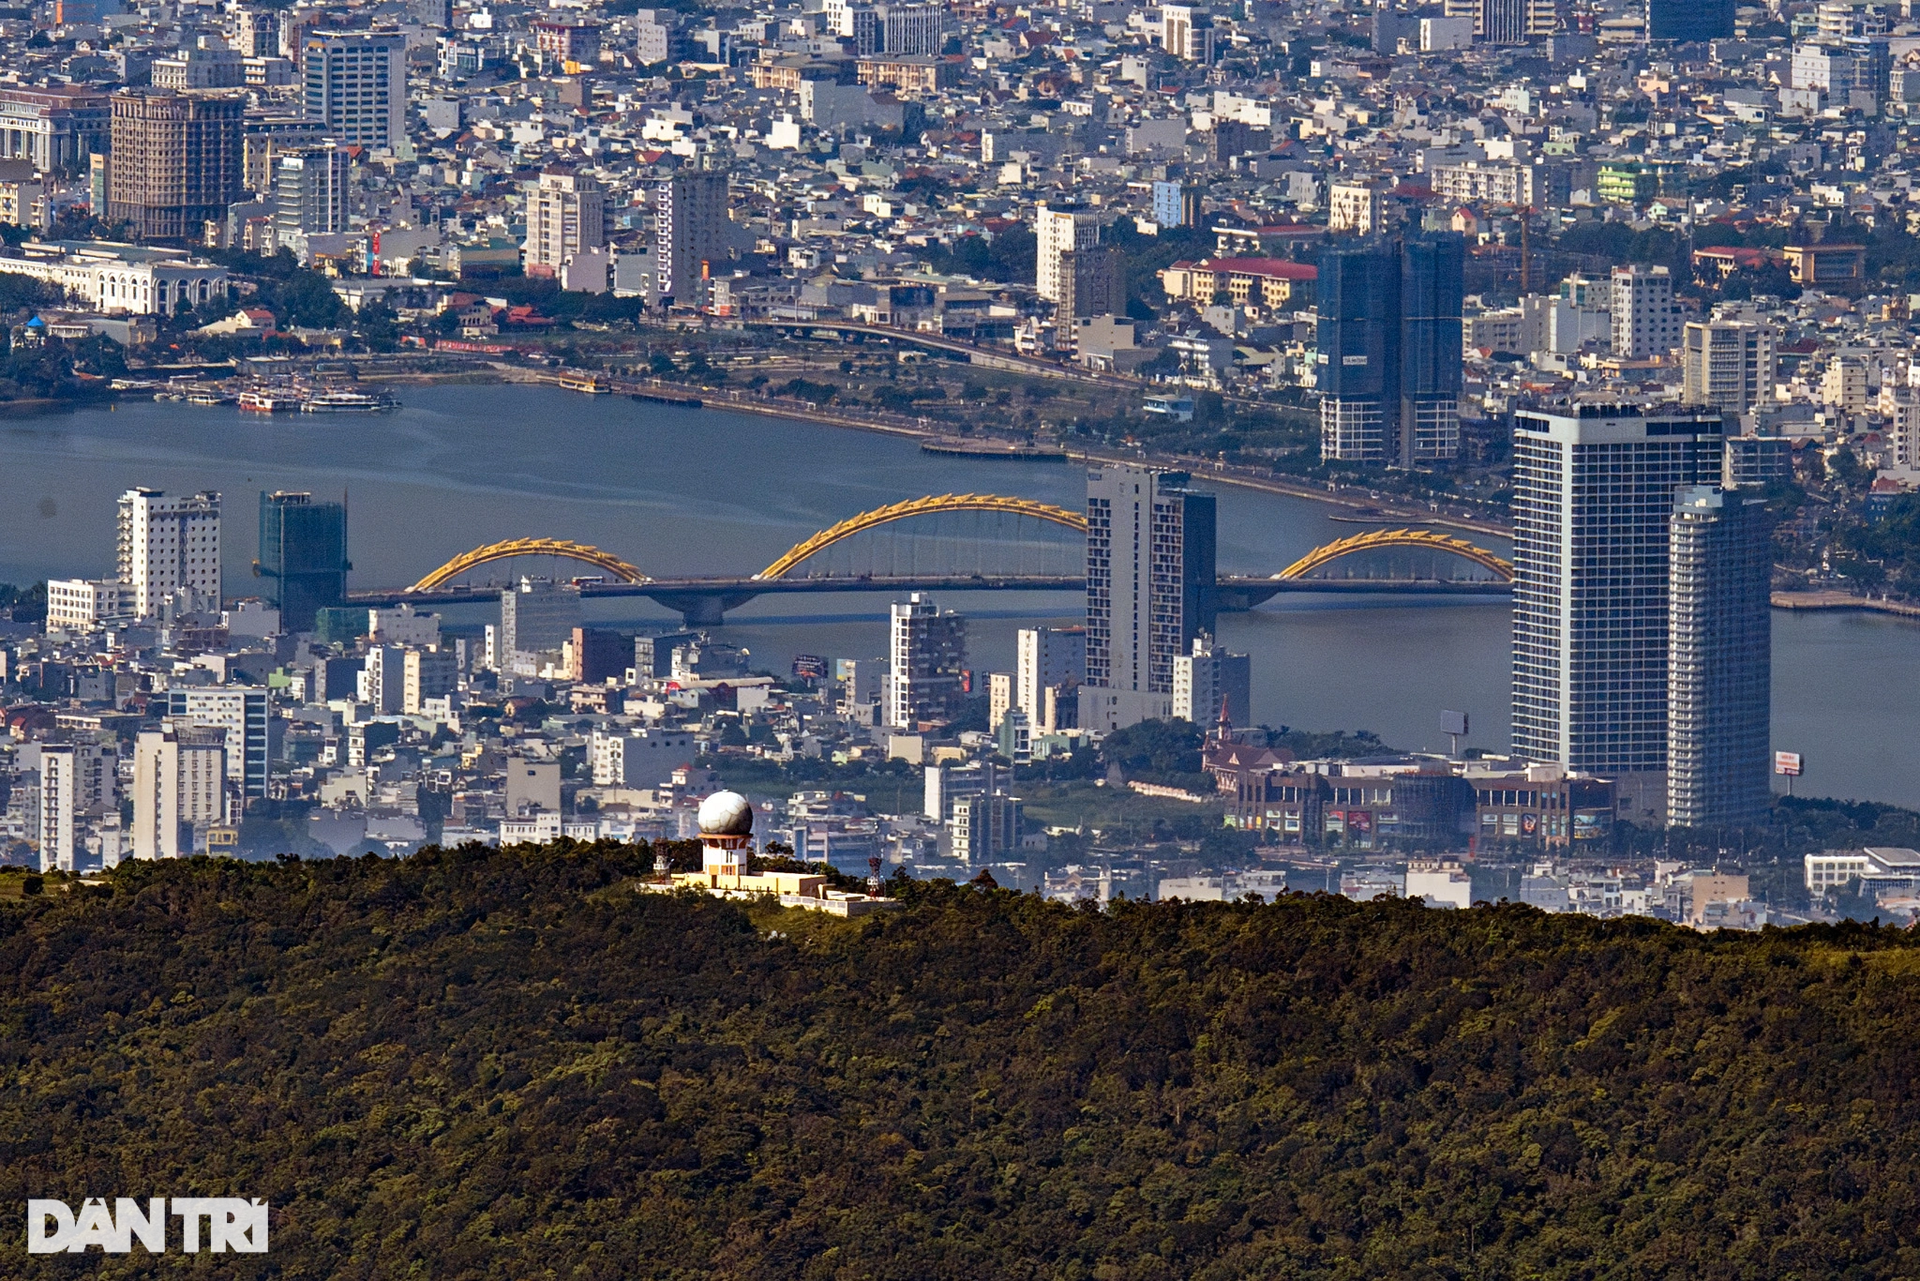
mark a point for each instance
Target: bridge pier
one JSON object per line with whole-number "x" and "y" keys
{"x": 701, "y": 609}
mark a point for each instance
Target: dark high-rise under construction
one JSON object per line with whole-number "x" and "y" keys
{"x": 303, "y": 555}
{"x": 1389, "y": 350}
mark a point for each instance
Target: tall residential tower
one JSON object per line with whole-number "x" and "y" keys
{"x": 1389, "y": 347}
{"x": 1151, "y": 589}
{"x": 1592, "y": 499}
{"x": 926, "y": 682}
{"x": 689, "y": 232}
{"x": 1720, "y": 659}
{"x": 303, "y": 555}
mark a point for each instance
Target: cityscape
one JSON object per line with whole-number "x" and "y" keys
{"x": 851, "y": 639}
{"x": 1591, "y": 324}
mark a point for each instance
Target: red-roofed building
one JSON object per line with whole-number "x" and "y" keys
{"x": 1727, "y": 259}
{"x": 1272, "y": 283}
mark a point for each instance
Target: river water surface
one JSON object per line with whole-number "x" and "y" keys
{"x": 678, "y": 491}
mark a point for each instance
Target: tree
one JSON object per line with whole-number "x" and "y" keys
{"x": 1155, "y": 747}
{"x": 378, "y": 326}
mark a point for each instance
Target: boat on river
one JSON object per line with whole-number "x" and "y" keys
{"x": 269, "y": 400}
{"x": 347, "y": 402}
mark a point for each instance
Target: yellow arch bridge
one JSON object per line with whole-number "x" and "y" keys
{"x": 706, "y": 600}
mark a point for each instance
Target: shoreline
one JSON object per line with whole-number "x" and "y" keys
{"x": 1813, "y": 601}
{"x": 1385, "y": 511}
{"x": 1388, "y": 509}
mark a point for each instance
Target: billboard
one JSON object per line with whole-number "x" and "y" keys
{"x": 1788, "y": 763}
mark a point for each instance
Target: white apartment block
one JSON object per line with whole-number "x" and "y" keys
{"x": 76, "y": 780}
{"x": 82, "y": 604}
{"x": 1060, "y": 231}
{"x": 1646, "y": 323}
{"x": 638, "y": 758}
{"x": 427, "y": 674}
{"x": 1047, "y": 658}
{"x": 1727, "y": 364}
{"x": 179, "y": 789}
{"x": 1358, "y": 207}
{"x": 168, "y": 545}
{"x": 566, "y": 215}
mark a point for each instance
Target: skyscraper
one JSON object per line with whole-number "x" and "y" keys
{"x": 1390, "y": 350}
{"x": 1432, "y": 277}
{"x": 303, "y": 555}
{"x": 175, "y": 163}
{"x": 1689, "y": 21}
{"x": 1358, "y": 297}
{"x": 168, "y": 545}
{"x": 1060, "y": 230}
{"x": 179, "y": 789}
{"x": 927, "y": 680}
{"x": 1720, "y": 658}
{"x": 1151, "y": 588}
{"x": 1592, "y": 496}
{"x": 689, "y": 231}
{"x": 355, "y": 83}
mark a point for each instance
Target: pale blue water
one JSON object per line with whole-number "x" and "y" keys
{"x": 704, "y": 491}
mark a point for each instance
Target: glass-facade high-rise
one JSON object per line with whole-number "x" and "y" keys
{"x": 1720, "y": 659}
{"x": 1593, "y": 495}
{"x": 1389, "y": 350}
{"x": 1358, "y": 342}
{"x": 1688, "y": 22}
{"x": 303, "y": 556}
{"x": 1432, "y": 286}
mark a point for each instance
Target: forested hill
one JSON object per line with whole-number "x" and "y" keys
{"x": 508, "y": 1065}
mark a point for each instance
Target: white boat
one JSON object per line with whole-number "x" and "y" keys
{"x": 270, "y": 401}
{"x": 346, "y": 402}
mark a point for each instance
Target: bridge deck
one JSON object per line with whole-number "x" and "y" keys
{"x": 1237, "y": 591}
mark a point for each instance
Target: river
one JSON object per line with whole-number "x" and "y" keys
{"x": 679, "y": 491}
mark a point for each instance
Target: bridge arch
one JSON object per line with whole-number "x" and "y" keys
{"x": 1422, "y": 538}
{"x": 930, "y": 505}
{"x": 513, "y": 547}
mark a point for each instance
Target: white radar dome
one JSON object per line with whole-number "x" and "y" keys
{"x": 726, "y": 814}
